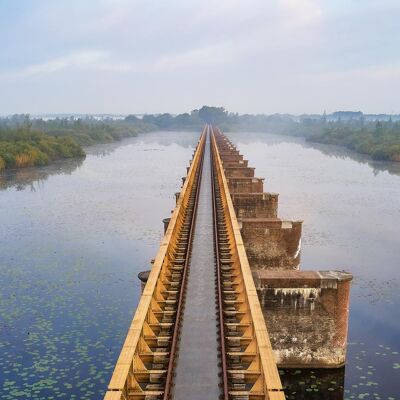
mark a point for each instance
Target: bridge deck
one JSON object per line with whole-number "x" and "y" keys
{"x": 197, "y": 364}
{"x": 199, "y": 331}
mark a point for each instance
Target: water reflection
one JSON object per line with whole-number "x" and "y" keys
{"x": 328, "y": 150}
{"x": 343, "y": 153}
{"x": 35, "y": 177}
{"x": 159, "y": 139}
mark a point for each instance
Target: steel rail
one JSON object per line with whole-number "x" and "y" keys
{"x": 130, "y": 368}
{"x": 219, "y": 284}
{"x": 175, "y": 336}
{"x": 268, "y": 384}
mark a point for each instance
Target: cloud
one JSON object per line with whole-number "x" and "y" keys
{"x": 82, "y": 60}
{"x": 216, "y": 54}
{"x": 301, "y": 13}
{"x": 369, "y": 73}
{"x": 260, "y": 55}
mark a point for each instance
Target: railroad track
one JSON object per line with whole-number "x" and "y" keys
{"x": 154, "y": 351}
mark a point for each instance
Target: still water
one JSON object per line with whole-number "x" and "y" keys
{"x": 74, "y": 235}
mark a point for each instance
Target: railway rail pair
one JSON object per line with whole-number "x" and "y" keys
{"x": 152, "y": 356}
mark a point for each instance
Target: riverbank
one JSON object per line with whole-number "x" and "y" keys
{"x": 377, "y": 136}
{"x": 380, "y": 141}
{"x": 38, "y": 142}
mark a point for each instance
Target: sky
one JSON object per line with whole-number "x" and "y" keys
{"x": 249, "y": 56}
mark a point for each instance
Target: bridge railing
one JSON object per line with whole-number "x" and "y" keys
{"x": 130, "y": 365}
{"x": 262, "y": 372}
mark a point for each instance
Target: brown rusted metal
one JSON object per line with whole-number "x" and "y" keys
{"x": 219, "y": 287}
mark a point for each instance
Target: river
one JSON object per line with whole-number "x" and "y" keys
{"x": 74, "y": 235}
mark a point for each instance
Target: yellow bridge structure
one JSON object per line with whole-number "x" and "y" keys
{"x": 199, "y": 330}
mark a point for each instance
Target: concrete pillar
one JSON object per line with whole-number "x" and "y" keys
{"x": 237, "y": 163}
{"x": 239, "y": 172}
{"x": 245, "y": 185}
{"x": 230, "y": 157}
{"x": 255, "y": 205}
{"x": 306, "y": 313}
{"x": 272, "y": 243}
{"x": 166, "y": 223}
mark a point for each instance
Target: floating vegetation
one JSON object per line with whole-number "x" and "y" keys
{"x": 313, "y": 384}
{"x": 57, "y": 337}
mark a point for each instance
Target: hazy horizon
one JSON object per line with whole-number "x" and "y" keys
{"x": 255, "y": 56}
{"x": 58, "y": 114}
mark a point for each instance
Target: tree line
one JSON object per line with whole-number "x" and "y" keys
{"x": 32, "y": 142}
{"x": 379, "y": 139}
{"x": 26, "y": 142}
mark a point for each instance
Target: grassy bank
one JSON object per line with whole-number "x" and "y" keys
{"x": 26, "y": 148}
{"x": 27, "y": 143}
{"x": 380, "y": 140}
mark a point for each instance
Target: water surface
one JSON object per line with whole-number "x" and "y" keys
{"x": 74, "y": 235}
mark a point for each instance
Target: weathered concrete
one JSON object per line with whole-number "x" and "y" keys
{"x": 255, "y": 205}
{"x": 228, "y": 151}
{"x": 239, "y": 172}
{"x": 272, "y": 243}
{"x": 245, "y": 185}
{"x": 240, "y": 163}
{"x": 230, "y": 157}
{"x": 307, "y": 316}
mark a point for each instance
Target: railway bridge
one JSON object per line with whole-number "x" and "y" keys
{"x": 201, "y": 328}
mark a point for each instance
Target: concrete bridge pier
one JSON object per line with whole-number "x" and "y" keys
{"x": 272, "y": 243}
{"x": 306, "y": 311}
{"x": 307, "y": 316}
{"x": 255, "y": 205}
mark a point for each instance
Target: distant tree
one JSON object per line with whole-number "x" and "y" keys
{"x": 183, "y": 120}
{"x": 213, "y": 115}
{"x": 131, "y": 118}
{"x": 164, "y": 120}
{"x": 149, "y": 119}
{"x": 379, "y": 128}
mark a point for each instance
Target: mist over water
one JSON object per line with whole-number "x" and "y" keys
{"x": 74, "y": 236}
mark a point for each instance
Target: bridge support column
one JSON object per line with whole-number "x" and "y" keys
{"x": 272, "y": 243}
{"x": 239, "y": 172}
{"x": 307, "y": 316}
{"x": 255, "y": 205}
{"x": 245, "y": 185}
{"x": 166, "y": 223}
{"x": 236, "y": 163}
